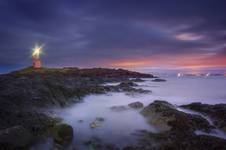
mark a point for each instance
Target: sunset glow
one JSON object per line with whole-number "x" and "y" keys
{"x": 192, "y": 62}
{"x": 189, "y": 36}
{"x": 131, "y": 63}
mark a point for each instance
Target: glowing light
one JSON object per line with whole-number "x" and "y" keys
{"x": 179, "y": 75}
{"x": 36, "y": 51}
{"x": 208, "y": 74}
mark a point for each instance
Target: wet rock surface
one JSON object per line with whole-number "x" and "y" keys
{"x": 159, "y": 80}
{"x": 164, "y": 116}
{"x": 62, "y": 133}
{"x": 216, "y": 112}
{"x": 171, "y": 140}
{"x": 137, "y": 80}
{"x": 178, "y": 130}
{"x": 96, "y": 143}
{"x": 136, "y": 105}
{"x": 127, "y": 87}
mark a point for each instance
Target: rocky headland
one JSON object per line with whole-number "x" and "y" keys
{"x": 24, "y": 92}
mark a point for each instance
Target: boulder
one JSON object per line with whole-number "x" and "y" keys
{"x": 16, "y": 137}
{"x": 216, "y": 112}
{"x": 165, "y": 117}
{"x": 136, "y": 105}
{"x": 62, "y": 133}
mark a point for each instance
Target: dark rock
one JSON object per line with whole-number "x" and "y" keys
{"x": 134, "y": 90}
{"x": 136, "y": 105}
{"x": 96, "y": 144}
{"x": 137, "y": 80}
{"x": 216, "y": 112}
{"x": 127, "y": 84}
{"x": 165, "y": 117}
{"x": 177, "y": 141}
{"x": 63, "y": 133}
{"x": 16, "y": 137}
{"x": 81, "y": 121}
{"x": 37, "y": 123}
{"x": 158, "y": 80}
{"x": 101, "y": 119}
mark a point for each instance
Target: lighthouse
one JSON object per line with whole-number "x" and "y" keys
{"x": 36, "y": 61}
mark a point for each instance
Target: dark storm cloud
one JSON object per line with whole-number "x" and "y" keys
{"x": 98, "y": 30}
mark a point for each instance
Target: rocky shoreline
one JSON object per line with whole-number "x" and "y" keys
{"x": 24, "y": 92}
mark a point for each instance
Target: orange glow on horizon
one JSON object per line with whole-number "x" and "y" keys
{"x": 131, "y": 63}
{"x": 193, "y": 62}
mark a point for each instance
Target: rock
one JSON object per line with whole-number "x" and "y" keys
{"x": 136, "y": 105}
{"x": 134, "y": 90}
{"x": 216, "y": 112}
{"x": 158, "y": 80}
{"x": 16, "y": 137}
{"x": 165, "y": 117}
{"x": 97, "y": 122}
{"x": 81, "y": 121}
{"x": 127, "y": 84}
{"x": 118, "y": 108}
{"x": 137, "y": 80}
{"x": 95, "y": 143}
{"x": 100, "y": 119}
{"x": 94, "y": 124}
{"x": 177, "y": 141}
{"x": 63, "y": 133}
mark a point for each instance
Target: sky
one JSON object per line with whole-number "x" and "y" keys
{"x": 114, "y": 33}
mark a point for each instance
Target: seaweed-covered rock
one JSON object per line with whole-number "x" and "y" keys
{"x": 164, "y": 116}
{"x": 63, "y": 133}
{"x": 216, "y": 112}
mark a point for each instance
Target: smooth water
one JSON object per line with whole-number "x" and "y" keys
{"x": 119, "y": 128}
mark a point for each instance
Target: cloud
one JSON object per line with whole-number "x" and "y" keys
{"x": 99, "y": 32}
